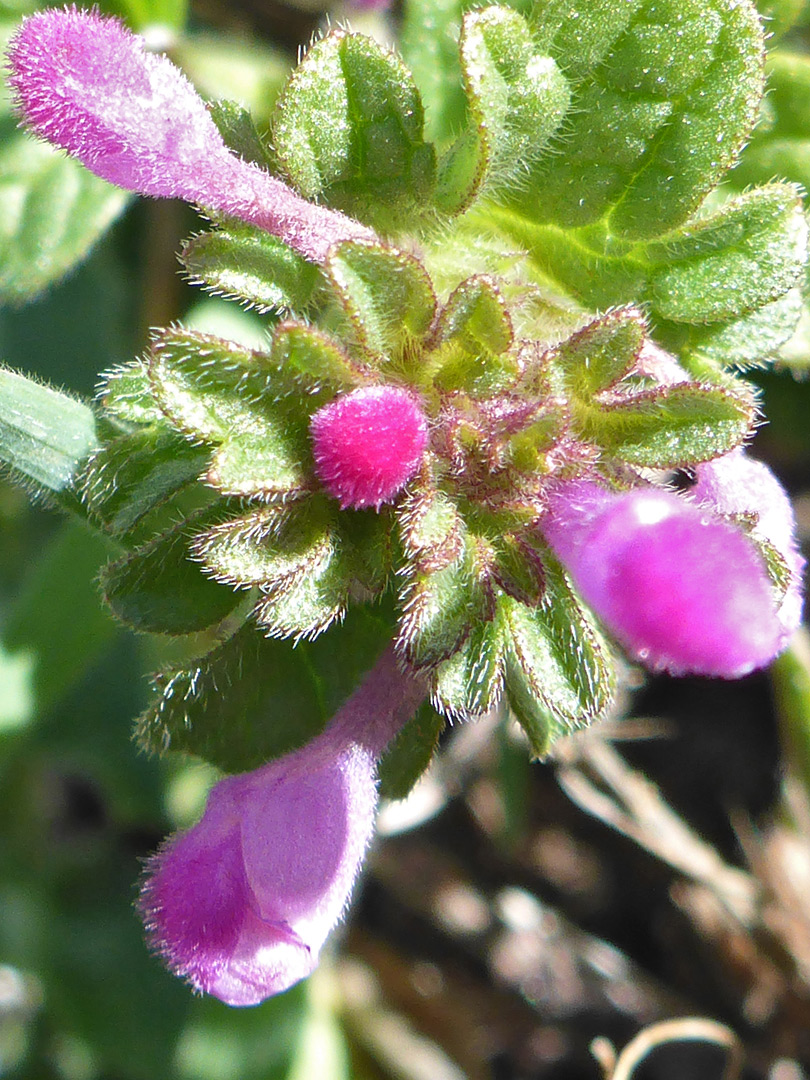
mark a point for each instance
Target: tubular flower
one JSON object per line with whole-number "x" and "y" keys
{"x": 680, "y": 586}
{"x": 242, "y": 903}
{"x": 86, "y": 84}
{"x": 737, "y": 485}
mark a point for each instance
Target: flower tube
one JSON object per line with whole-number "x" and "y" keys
{"x": 241, "y": 904}
{"x": 87, "y": 84}
{"x": 681, "y": 587}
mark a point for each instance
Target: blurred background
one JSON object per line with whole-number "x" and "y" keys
{"x": 516, "y": 920}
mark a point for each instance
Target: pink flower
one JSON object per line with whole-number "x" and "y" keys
{"x": 242, "y": 903}
{"x": 368, "y": 444}
{"x": 88, "y": 85}
{"x": 680, "y": 586}
{"x": 737, "y": 485}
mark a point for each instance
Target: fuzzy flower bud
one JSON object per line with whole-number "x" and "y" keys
{"x": 681, "y": 587}
{"x": 85, "y": 83}
{"x": 368, "y": 444}
{"x": 736, "y": 485}
{"x": 241, "y": 903}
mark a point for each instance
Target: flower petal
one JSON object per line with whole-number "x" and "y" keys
{"x": 304, "y": 837}
{"x": 200, "y": 913}
{"x": 679, "y": 587}
{"x": 737, "y": 484}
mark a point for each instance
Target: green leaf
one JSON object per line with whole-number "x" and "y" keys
{"x": 582, "y": 31}
{"x": 236, "y": 126}
{"x": 429, "y": 44}
{"x": 469, "y": 683}
{"x": 461, "y": 171}
{"x": 795, "y": 353}
{"x": 745, "y": 342}
{"x": 253, "y": 699}
{"x": 247, "y": 701}
{"x": 307, "y": 604}
{"x": 127, "y": 393}
{"x": 386, "y": 294}
{"x": 431, "y": 528}
{"x": 474, "y": 332}
{"x": 747, "y": 255}
{"x": 669, "y": 427}
{"x": 248, "y": 264}
{"x": 52, "y": 211}
{"x": 517, "y": 94}
{"x": 559, "y": 675}
{"x": 601, "y": 354}
{"x": 476, "y": 315}
{"x": 158, "y": 589}
{"x": 366, "y": 539}
{"x": 308, "y": 352}
{"x": 349, "y": 128}
{"x": 410, "y": 753}
{"x": 210, "y": 388}
{"x": 440, "y": 607}
{"x": 45, "y": 436}
{"x": 668, "y": 95}
{"x": 271, "y": 547}
{"x": 268, "y": 464}
{"x": 128, "y": 477}
{"x": 519, "y": 569}
{"x": 218, "y": 392}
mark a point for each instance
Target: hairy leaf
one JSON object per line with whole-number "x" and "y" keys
{"x": 410, "y": 753}
{"x": 252, "y": 699}
{"x": 349, "y": 128}
{"x": 559, "y": 675}
{"x": 158, "y": 589}
{"x": 671, "y": 427}
{"x": 517, "y": 94}
{"x": 308, "y": 352}
{"x": 129, "y": 476}
{"x": 251, "y": 265}
{"x": 386, "y": 294}
{"x": 750, "y": 253}
{"x": 667, "y": 95}
{"x": 469, "y": 683}
{"x": 272, "y": 546}
{"x": 602, "y": 353}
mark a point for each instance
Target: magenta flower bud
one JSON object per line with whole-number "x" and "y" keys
{"x": 85, "y": 83}
{"x": 241, "y": 904}
{"x": 368, "y": 444}
{"x": 679, "y": 586}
